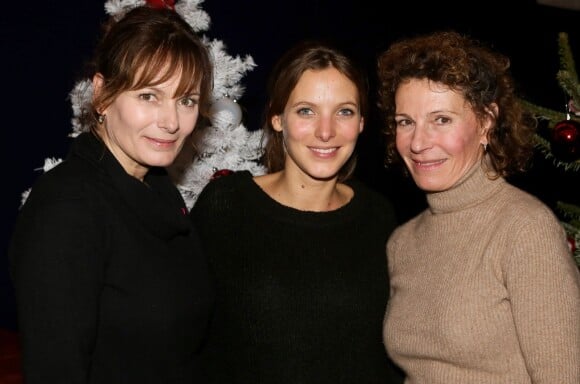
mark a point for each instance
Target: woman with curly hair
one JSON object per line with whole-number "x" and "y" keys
{"x": 483, "y": 286}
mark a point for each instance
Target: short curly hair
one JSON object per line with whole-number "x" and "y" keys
{"x": 478, "y": 73}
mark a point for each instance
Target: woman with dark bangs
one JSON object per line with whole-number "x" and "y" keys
{"x": 111, "y": 283}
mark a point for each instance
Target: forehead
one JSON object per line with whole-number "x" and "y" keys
{"x": 425, "y": 93}
{"x": 325, "y": 74}
{"x": 324, "y": 80}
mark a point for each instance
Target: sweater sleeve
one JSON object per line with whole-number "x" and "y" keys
{"x": 544, "y": 289}
{"x": 56, "y": 268}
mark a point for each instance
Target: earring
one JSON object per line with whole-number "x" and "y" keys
{"x": 484, "y": 147}
{"x": 101, "y": 118}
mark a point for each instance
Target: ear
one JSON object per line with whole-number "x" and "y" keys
{"x": 361, "y": 125}
{"x": 277, "y": 123}
{"x": 490, "y": 120}
{"x": 98, "y": 82}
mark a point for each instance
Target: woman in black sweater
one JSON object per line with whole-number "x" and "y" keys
{"x": 111, "y": 283}
{"x": 299, "y": 254}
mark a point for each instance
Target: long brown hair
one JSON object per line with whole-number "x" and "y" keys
{"x": 307, "y": 55}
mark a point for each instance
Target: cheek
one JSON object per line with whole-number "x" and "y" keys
{"x": 402, "y": 142}
{"x": 464, "y": 139}
{"x": 298, "y": 129}
{"x": 466, "y": 147}
{"x": 187, "y": 121}
{"x": 351, "y": 131}
{"x": 134, "y": 118}
{"x": 454, "y": 144}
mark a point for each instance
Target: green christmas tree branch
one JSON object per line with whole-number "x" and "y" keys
{"x": 570, "y": 211}
{"x": 543, "y": 112}
{"x": 567, "y": 78}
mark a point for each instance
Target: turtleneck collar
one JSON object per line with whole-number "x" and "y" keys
{"x": 470, "y": 190}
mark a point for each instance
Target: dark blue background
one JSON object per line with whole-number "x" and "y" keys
{"x": 44, "y": 45}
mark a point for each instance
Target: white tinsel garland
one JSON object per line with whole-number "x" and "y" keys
{"x": 226, "y": 143}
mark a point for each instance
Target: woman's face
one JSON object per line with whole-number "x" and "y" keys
{"x": 437, "y": 134}
{"x": 320, "y": 124}
{"x": 147, "y": 127}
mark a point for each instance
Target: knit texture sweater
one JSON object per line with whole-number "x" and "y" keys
{"x": 300, "y": 295}
{"x": 483, "y": 290}
{"x": 111, "y": 283}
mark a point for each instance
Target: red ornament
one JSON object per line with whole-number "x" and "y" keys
{"x": 220, "y": 173}
{"x": 159, "y": 4}
{"x": 566, "y": 140}
{"x": 572, "y": 244}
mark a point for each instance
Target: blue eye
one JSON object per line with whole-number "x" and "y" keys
{"x": 346, "y": 112}
{"x": 304, "y": 111}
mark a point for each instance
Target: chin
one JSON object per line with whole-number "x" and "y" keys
{"x": 165, "y": 162}
{"x": 324, "y": 177}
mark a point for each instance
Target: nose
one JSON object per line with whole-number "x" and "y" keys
{"x": 167, "y": 118}
{"x": 420, "y": 140}
{"x": 325, "y": 129}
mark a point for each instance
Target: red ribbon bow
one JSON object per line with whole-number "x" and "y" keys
{"x": 162, "y": 4}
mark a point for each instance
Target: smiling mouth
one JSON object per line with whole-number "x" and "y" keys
{"x": 324, "y": 151}
{"x": 426, "y": 164}
{"x": 162, "y": 143}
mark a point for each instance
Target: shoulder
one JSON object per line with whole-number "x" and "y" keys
{"x": 226, "y": 184}
{"x": 375, "y": 205}
{"x": 223, "y": 192}
{"x": 529, "y": 216}
{"x": 77, "y": 184}
{"x": 71, "y": 179}
{"x": 369, "y": 195}
{"x": 521, "y": 206}
{"x": 533, "y": 234}
{"x": 62, "y": 202}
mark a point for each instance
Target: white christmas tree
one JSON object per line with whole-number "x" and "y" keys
{"x": 224, "y": 145}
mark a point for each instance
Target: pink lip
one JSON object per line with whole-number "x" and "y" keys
{"x": 324, "y": 152}
{"x": 428, "y": 165}
{"x": 160, "y": 143}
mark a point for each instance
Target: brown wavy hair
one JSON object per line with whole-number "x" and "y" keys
{"x": 313, "y": 55}
{"x": 477, "y": 72}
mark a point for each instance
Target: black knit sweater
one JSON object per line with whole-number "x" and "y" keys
{"x": 300, "y": 295}
{"x": 111, "y": 283}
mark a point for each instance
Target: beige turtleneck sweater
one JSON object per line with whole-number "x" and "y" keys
{"x": 483, "y": 290}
